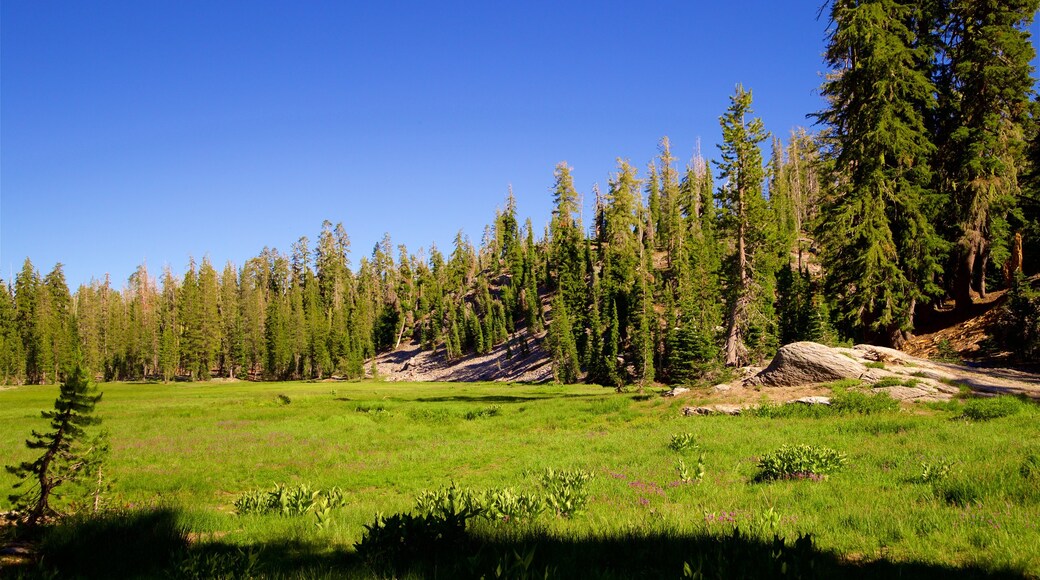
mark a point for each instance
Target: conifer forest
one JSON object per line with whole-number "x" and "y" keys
{"x": 917, "y": 182}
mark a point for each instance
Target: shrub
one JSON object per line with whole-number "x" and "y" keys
{"x": 991, "y": 408}
{"x": 681, "y": 442}
{"x": 289, "y": 501}
{"x": 857, "y": 402}
{"x": 800, "y": 462}
{"x": 449, "y": 502}
{"x": 506, "y": 505}
{"x": 283, "y": 399}
{"x": 565, "y": 490}
{"x": 398, "y": 542}
{"x": 936, "y": 472}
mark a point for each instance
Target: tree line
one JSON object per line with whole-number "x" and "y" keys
{"x": 921, "y": 184}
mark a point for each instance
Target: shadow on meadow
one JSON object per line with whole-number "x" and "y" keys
{"x": 151, "y": 544}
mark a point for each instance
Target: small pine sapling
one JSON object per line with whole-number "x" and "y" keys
{"x": 67, "y": 455}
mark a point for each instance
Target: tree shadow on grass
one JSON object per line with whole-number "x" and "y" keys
{"x": 151, "y": 544}
{"x": 502, "y": 398}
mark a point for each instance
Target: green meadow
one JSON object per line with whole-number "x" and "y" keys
{"x": 924, "y": 491}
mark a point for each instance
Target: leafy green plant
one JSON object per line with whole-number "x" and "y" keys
{"x": 684, "y": 473}
{"x": 507, "y": 505}
{"x": 205, "y": 564}
{"x": 935, "y": 472}
{"x": 800, "y": 462}
{"x": 450, "y": 502}
{"x": 874, "y": 365}
{"x": 681, "y": 442}
{"x": 944, "y": 352}
{"x": 289, "y": 501}
{"x": 283, "y": 399}
{"x": 395, "y": 543}
{"x": 856, "y": 402}
{"x": 565, "y": 490}
{"x": 991, "y": 408}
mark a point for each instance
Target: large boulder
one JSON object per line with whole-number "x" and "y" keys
{"x": 806, "y": 363}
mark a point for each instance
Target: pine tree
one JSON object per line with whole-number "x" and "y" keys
{"x": 876, "y": 233}
{"x": 63, "y": 456}
{"x": 12, "y": 354}
{"x": 169, "y": 329}
{"x": 562, "y": 349}
{"x": 209, "y": 318}
{"x": 745, "y": 217}
{"x": 30, "y": 307}
{"x": 989, "y": 61}
{"x": 230, "y": 321}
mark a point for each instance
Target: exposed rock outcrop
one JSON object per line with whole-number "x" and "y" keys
{"x": 806, "y": 363}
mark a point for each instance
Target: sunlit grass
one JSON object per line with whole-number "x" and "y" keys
{"x": 196, "y": 447}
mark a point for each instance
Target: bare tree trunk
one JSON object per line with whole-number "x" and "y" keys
{"x": 735, "y": 350}
{"x": 962, "y": 283}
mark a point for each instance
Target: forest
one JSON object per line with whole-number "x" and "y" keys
{"x": 919, "y": 184}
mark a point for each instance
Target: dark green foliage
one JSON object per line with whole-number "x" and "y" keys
{"x": 986, "y": 87}
{"x": 1018, "y": 328}
{"x": 67, "y": 454}
{"x": 991, "y": 408}
{"x": 290, "y": 501}
{"x": 879, "y": 243}
{"x": 745, "y": 217}
{"x": 562, "y": 349}
{"x": 798, "y": 314}
{"x": 565, "y": 490}
{"x": 856, "y": 402}
{"x": 800, "y": 462}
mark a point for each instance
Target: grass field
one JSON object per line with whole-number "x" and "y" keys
{"x": 183, "y": 453}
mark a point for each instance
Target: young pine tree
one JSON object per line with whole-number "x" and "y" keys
{"x": 65, "y": 450}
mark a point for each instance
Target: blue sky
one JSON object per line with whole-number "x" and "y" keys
{"x": 150, "y": 132}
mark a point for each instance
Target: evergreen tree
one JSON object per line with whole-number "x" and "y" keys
{"x": 28, "y": 315}
{"x": 562, "y": 349}
{"x": 169, "y": 330}
{"x": 876, "y": 233}
{"x": 63, "y": 456}
{"x": 230, "y": 321}
{"x": 12, "y": 354}
{"x": 744, "y": 214}
{"x": 209, "y": 318}
{"x": 989, "y": 62}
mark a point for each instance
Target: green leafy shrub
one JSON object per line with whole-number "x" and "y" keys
{"x": 935, "y": 472}
{"x": 394, "y": 544}
{"x": 289, "y": 501}
{"x": 800, "y": 462}
{"x": 856, "y": 402}
{"x": 944, "y": 352}
{"x": 566, "y": 490}
{"x": 991, "y": 408}
{"x": 450, "y": 502}
{"x": 507, "y": 505}
{"x": 681, "y": 442}
{"x": 283, "y": 399}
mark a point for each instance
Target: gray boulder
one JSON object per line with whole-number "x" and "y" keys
{"x": 806, "y": 363}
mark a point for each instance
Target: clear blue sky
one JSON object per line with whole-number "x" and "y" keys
{"x": 154, "y": 131}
